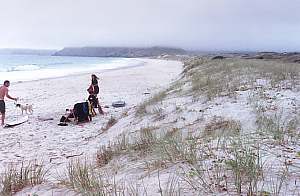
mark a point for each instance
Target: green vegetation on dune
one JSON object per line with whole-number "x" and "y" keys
{"x": 224, "y": 77}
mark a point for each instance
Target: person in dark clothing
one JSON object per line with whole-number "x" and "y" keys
{"x": 95, "y": 84}
{"x": 94, "y": 91}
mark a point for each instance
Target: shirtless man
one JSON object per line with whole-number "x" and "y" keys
{"x": 3, "y": 93}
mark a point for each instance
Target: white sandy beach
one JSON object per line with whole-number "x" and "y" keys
{"x": 46, "y": 141}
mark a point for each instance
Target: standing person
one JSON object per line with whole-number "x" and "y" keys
{"x": 94, "y": 91}
{"x": 3, "y": 94}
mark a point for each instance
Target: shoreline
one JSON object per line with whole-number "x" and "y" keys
{"x": 141, "y": 63}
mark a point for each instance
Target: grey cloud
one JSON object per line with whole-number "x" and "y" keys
{"x": 191, "y": 24}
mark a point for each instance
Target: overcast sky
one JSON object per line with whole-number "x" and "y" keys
{"x": 190, "y": 24}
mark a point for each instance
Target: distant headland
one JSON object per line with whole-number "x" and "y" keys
{"x": 129, "y": 52}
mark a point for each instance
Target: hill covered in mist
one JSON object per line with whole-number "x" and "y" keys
{"x": 119, "y": 51}
{"x": 18, "y": 51}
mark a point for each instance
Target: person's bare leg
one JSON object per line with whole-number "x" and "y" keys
{"x": 93, "y": 112}
{"x": 2, "y": 118}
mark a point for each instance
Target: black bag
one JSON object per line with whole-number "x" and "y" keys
{"x": 82, "y": 112}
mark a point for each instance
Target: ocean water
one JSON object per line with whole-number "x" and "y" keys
{"x": 18, "y": 68}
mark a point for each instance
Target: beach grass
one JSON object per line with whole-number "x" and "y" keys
{"x": 17, "y": 177}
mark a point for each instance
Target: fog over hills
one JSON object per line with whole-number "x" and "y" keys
{"x": 15, "y": 51}
{"x": 119, "y": 51}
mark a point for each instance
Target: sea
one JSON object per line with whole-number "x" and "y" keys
{"x": 19, "y": 68}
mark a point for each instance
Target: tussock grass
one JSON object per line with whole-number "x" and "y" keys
{"x": 143, "y": 144}
{"x": 281, "y": 129}
{"x": 173, "y": 186}
{"x": 104, "y": 156}
{"x": 175, "y": 148}
{"x": 143, "y": 108}
{"x": 106, "y": 153}
{"x": 84, "y": 178}
{"x": 111, "y": 122}
{"x": 219, "y": 126}
{"x": 277, "y": 181}
{"x": 246, "y": 166}
{"x": 171, "y": 147}
{"x": 214, "y": 78}
{"x": 244, "y": 163}
{"x": 147, "y": 138}
{"x": 17, "y": 177}
{"x": 205, "y": 178}
{"x": 238, "y": 171}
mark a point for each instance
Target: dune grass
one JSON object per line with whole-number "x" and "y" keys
{"x": 17, "y": 177}
{"x": 84, "y": 178}
{"x": 111, "y": 122}
{"x": 144, "y": 109}
{"x": 214, "y": 78}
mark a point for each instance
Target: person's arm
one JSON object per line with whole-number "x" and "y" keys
{"x": 10, "y": 97}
